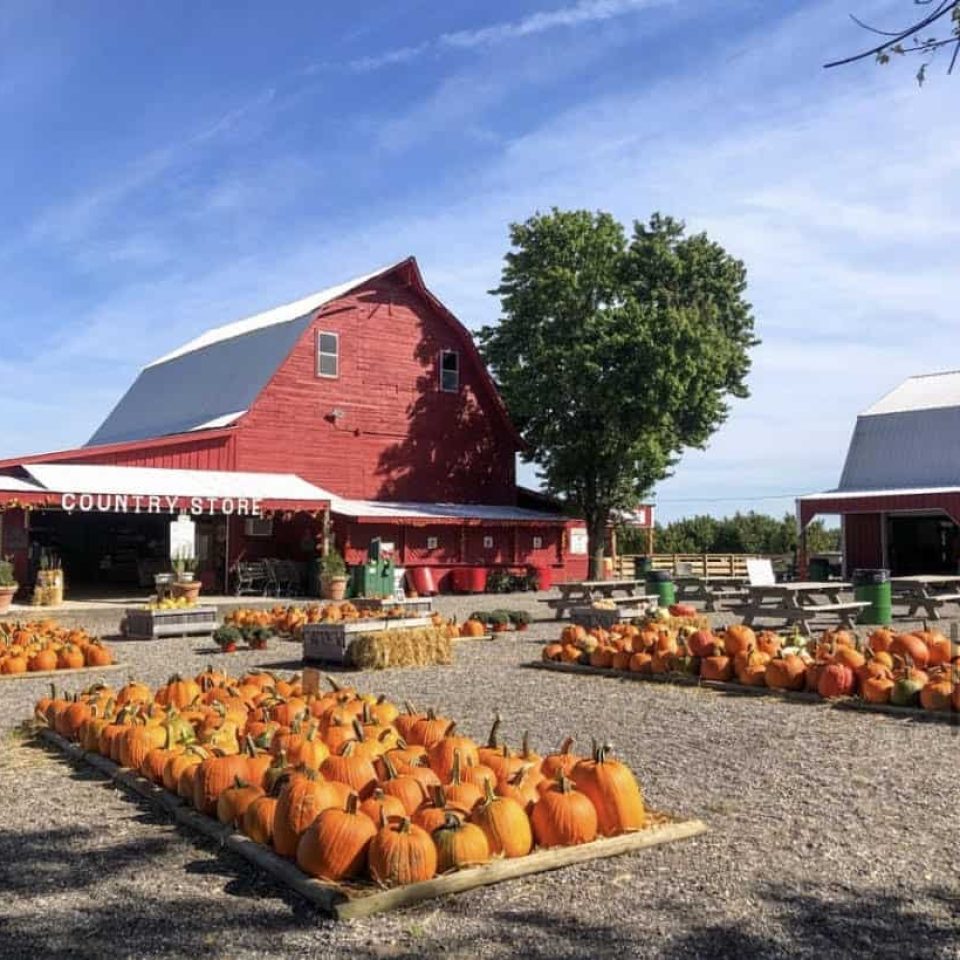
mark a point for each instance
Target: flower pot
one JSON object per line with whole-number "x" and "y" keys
{"x": 189, "y": 590}
{"x": 185, "y": 577}
{"x": 500, "y": 627}
{"x": 522, "y": 626}
{"x": 6, "y": 597}
{"x": 333, "y": 588}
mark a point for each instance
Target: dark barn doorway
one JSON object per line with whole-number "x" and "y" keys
{"x": 922, "y": 544}
{"x": 103, "y": 550}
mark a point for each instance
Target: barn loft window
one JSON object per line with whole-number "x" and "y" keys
{"x": 328, "y": 354}
{"x": 449, "y": 371}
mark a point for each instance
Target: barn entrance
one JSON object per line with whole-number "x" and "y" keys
{"x": 111, "y": 552}
{"x": 922, "y": 544}
{"x": 102, "y": 550}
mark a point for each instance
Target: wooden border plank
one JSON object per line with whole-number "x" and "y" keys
{"x": 347, "y": 902}
{"x": 47, "y": 674}
{"x": 738, "y": 689}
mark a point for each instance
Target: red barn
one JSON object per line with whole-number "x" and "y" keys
{"x": 370, "y": 395}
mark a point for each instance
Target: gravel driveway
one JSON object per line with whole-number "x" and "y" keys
{"x": 832, "y": 833}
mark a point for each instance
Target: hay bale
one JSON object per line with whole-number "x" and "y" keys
{"x": 418, "y": 647}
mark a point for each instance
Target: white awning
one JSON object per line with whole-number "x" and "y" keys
{"x": 81, "y": 478}
{"x": 439, "y": 511}
{"x": 16, "y": 485}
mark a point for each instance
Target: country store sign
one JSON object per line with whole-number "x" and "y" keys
{"x": 140, "y": 503}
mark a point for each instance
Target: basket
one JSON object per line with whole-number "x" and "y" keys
{"x": 151, "y": 624}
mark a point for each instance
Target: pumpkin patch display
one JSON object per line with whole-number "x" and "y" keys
{"x": 919, "y": 669}
{"x": 39, "y": 646}
{"x": 345, "y": 784}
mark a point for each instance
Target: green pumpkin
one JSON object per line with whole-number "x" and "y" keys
{"x": 906, "y": 692}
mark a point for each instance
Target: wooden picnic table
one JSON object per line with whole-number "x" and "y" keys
{"x": 712, "y": 589}
{"x": 928, "y": 590}
{"x": 578, "y": 593}
{"x": 797, "y": 603}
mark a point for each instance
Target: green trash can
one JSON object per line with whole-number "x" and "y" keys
{"x": 819, "y": 569}
{"x": 873, "y": 586}
{"x": 660, "y": 582}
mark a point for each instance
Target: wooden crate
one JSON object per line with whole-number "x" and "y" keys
{"x": 346, "y": 901}
{"x": 740, "y": 689}
{"x": 142, "y": 624}
{"x": 413, "y": 606}
{"x": 329, "y": 642}
{"x": 52, "y": 674}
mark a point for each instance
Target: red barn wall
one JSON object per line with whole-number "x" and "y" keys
{"x": 863, "y": 546}
{"x": 400, "y": 437}
{"x": 192, "y": 454}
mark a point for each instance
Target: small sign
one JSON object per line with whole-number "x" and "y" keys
{"x": 641, "y": 517}
{"x": 433, "y": 543}
{"x": 488, "y": 543}
{"x": 578, "y": 541}
{"x": 183, "y": 538}
{"x": 538, "y": 543}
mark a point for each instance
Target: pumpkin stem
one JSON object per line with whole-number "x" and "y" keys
{"x": 353, "y": 803}
{"x": 488, "y": 795}
{"x": 493, "y": 740}
{"x": 566, "y": 746}
{"x": 389, "y": 767}
{"x": 455, "y": 772}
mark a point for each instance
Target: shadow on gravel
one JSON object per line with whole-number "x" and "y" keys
{"x": 836, "y": 922}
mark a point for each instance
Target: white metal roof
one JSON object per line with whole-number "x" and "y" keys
{"x": 160, "y": 481}
{"x": 16, "y": 485}
{"x": 223, "y": 421}
{"x": 858, "y": 494}
{"x": 925, "y": 392}
{"x": 269, "y": 318}
{"x": 438, "y": 511}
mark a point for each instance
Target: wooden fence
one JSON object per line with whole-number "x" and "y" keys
{"x": 626, "y": 566}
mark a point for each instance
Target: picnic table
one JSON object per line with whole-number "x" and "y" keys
{"x": 928, "y": 590}
{"x": 797, "y": 603}
{"x": 712, "y": 589}
{"x": 581, "y": 593}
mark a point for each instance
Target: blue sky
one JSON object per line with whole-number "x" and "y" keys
{"x": 169, "y": 167}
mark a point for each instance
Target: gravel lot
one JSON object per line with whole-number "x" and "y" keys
{"x": 832, "y": 833}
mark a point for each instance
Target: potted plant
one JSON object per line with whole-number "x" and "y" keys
{"x": 257, "y": 637}
{"x": 186, "y": 586}
{"x": 226, "y": 638}
{"x": 333, "y": 575}
{"x": 8, "y": 584}
{"x": 520, "y": 619}
{"x": 500, "y": 620}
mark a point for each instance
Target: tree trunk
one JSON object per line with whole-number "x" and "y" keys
{"x": 596, "y": 535}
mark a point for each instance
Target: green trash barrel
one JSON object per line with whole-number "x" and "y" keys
{"x": 873, "y": 586}
{"x": 819, "y": 569}
{"x": 660, "y": 582}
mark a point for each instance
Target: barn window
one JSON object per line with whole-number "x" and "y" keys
{"x": 488, "y": 543}
{"x": 538, "y": 543}
{"x": 449, "y": 371}
{"x": 328, "y": 354}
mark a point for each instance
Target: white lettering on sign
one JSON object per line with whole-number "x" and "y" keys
{"x": 135, "y": 503}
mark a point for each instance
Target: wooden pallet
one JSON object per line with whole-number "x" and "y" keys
{"x": 739, "y": 689}
{"x": 48, "y": 674}
{"x": 345, "y": 901}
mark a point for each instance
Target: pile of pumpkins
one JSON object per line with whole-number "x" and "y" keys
{"x": 290, "y": 621}
{"x": 919, "y": 669}
{"x": 348, "y": 785}
{"x": 43, "y": 645}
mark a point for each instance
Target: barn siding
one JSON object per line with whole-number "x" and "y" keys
{"x": 863, "y": 542}
{"x": 400, "y": 438}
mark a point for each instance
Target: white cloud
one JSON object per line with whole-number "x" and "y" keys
{"x": 583, "y": 13}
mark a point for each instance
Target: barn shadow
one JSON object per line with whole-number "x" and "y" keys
{"x": 450, "y": 444}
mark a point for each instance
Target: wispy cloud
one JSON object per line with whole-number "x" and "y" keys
{"x": 580, "y": 14}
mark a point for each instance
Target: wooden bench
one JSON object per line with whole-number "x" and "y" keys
{"x": 802, "y": 616}
{"x": 931, "y": 604}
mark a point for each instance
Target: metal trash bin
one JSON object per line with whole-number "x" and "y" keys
{"x": 660, "y": 582}
{"x": 873, "y": 586}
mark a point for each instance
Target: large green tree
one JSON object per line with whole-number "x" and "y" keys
{"x": 934, "y": 26}
{"x": 614, "y": 353}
